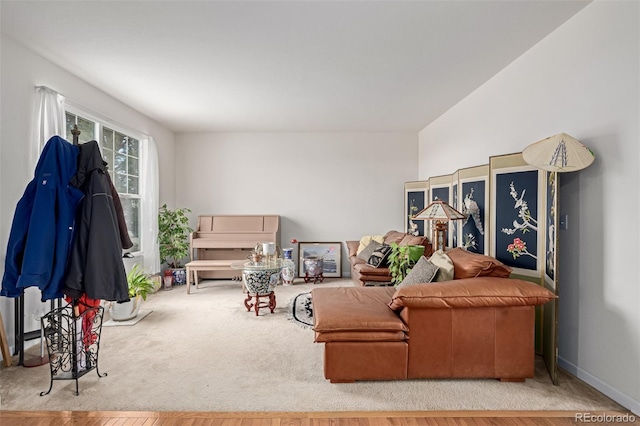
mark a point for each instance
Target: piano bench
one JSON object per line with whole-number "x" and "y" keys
{"x": 195, "y": 266}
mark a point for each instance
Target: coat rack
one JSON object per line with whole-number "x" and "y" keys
{"x": 76, "y": 133}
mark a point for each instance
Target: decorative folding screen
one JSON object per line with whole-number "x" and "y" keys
{"x": 512, "y": 215}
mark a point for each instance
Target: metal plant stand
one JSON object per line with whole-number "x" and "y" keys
{"x": 73, "y": 342}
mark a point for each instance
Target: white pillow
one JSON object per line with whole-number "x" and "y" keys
{"x": 444, "y": 264}
{"x": 364, "y": 241}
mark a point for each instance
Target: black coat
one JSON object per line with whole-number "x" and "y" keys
{"x": 95, "y": 265}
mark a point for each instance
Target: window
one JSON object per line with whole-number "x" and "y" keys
{"x": 121, "y": 151}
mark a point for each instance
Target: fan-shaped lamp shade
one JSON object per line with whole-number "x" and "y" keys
{"x": 558, "y": 153}
{"x": 441, "y": 213}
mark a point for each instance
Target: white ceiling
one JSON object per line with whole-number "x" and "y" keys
{"x": 321, "y": 66}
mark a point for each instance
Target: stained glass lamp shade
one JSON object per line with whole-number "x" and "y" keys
{"x": 441, "y": 213}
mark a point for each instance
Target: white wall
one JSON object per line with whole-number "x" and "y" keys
{"x": 22, "y": 70}
{"x": 325, "y": 186}
{"x": 583, "y": 79}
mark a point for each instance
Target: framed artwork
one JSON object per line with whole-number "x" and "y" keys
{"x": 551, "y": 225}
{"x": 331, "y": 254}
{"x": 455, "y": 226}
{"x": 440, "y": 188}
{"x": 517, "y": 204}
{"x": 415, "y": 194}
{"x": 474, "y": 202}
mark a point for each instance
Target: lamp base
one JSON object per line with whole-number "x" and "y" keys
{"x": 439, "y": 235}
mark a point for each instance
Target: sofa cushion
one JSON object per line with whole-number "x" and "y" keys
{"x": 364, "y": 241}
{"x": 360, "y": 336}
{"x": 422, "y": 272}
{"x": 412, "y": 240}
{"x": 393, "y": 237}
{"x": 355, "y": 309}
{"x": 379, "y": 256}
{"x": 470, "y": 265}
{"x": 368, "y": 250}
{"x": 444, "y": 264}
{"x": 470, "y": 293}
{"x": 368, "y": 270}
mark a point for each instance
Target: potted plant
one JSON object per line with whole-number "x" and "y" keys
{"x": 140, "y": 285}
{"x": 402, "y": 259}
{"x": 173, "y": 240}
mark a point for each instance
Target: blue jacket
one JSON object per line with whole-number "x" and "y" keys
{"x": 42, "y": 225}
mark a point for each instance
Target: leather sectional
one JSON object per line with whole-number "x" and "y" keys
{"x": 479, "y": 325}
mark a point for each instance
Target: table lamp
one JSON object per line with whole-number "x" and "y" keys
{"x": 441, "y": 213}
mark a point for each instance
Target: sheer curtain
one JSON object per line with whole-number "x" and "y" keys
{"x": 48, "y": 120}
{"x": 150, "y": 194}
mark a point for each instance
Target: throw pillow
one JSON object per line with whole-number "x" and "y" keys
{"x": 422, "y": 272}
{"x": 364, "y": 241}
{"x": 444, "y": 264}
{"x": 413, "y": 240}
{"x": 368, "y": 251}
{"x": 467, "y": 264}
{"x": 378, "y": 258}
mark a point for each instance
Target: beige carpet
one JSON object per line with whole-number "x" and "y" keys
{"x": 205, "y": 352}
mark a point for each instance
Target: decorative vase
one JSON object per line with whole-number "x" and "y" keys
{"x": 168, "y": 279}
{"x": 288, "y": 267}
{"x": 314, "y": 265}
{"x": 179, "y": 276}
{"x": 269, "y": 249}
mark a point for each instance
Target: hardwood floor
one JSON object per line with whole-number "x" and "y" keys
{"x": 147, "y": 418}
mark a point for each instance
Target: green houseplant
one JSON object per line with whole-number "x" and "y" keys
{"x": 140, "y": 285}
{"x": 173, "y": 236}
{"x": 402, "y": 259}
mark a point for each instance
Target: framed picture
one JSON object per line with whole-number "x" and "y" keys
{"x": 551, "y": 230}
{"x": 415, "y": 194}
{"x": 473, "y": 202}
{"x": 454, "y": 241}
{"x": 331, "y": 254}
{"x": 518, "y": 202}
{"x": 440, "y": 189}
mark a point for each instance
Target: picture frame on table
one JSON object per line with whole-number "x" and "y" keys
{"x": 331, "y": 253}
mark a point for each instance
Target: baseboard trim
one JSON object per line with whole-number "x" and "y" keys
{"x": 619, "y": 397}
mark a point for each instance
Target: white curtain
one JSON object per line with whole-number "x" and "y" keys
{"x": 150, "y": 194}
{"x": 48, "y": 120}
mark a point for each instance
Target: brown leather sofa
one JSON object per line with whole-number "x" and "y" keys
{"x": 364, "y": 274}
{"x": 480, "y": 327}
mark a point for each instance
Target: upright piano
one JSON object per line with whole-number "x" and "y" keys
{"x": 231, "y": 237}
